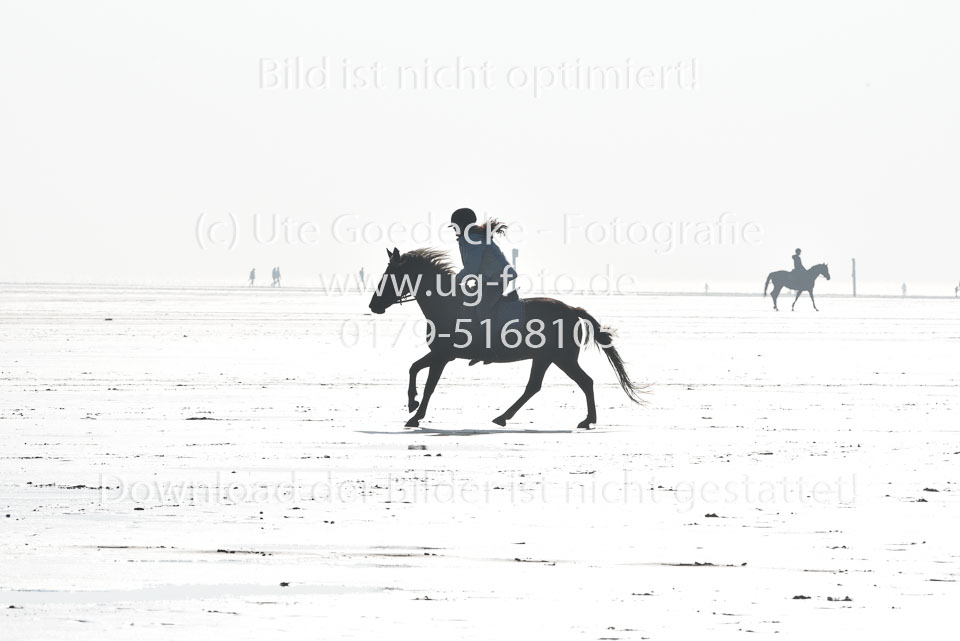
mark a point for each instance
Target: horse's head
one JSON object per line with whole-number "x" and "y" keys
{"x": 822, "y": 270}
{"x": 391, "y": 289}
{"x": 416, "y": 273}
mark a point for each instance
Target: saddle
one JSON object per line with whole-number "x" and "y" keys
{"x": 507, "y": 329}
{"x": 797, "y": 279}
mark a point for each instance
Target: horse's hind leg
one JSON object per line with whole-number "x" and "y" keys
{"x": 537, "y": 371}
{"x": 436, "y": 369}
{"x": 795, "y": 299}
{"x": 572, "y": 369}
{"x": 775, "y": 294}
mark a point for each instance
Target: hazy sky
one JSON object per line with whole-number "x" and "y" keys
{"x": 829, "y": 126}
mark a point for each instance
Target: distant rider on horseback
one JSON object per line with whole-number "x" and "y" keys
{"x": 800, "y": 280}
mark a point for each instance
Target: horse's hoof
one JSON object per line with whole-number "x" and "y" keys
{"x": 412, "y": 423}
{"x": 413, "y": 405}
{"x": 584, "y": 425}
{"x": 502, "y": 422}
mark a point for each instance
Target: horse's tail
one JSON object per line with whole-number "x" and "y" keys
{"x": 603, "y": 338}
{"x": 767, "y": 284}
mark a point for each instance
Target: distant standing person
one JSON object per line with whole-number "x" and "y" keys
{"x": 706, "y": 288}
{"x": 903, "y": 290}
{"x": 253, "y": 275}
{"x": 363, "y": 283}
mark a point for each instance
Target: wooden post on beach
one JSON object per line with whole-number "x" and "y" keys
{"x": 854, "y": 260}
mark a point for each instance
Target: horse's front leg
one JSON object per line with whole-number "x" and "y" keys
{"x": 436, "y": 369}
{"x": 812, "y": 300}
{"x": 418, "y": 365}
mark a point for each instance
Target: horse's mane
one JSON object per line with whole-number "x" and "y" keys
{"x": 431, "y": 259}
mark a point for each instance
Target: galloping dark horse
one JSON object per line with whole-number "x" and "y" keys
{"x": 802, "y": 282}
{"x": 419, "y": 275}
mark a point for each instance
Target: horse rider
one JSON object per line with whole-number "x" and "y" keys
{"x": 798, "y": 267}
{"x": 483, "y": 260}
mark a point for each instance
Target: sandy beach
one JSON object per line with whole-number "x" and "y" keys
{"x": 234, "y": 461}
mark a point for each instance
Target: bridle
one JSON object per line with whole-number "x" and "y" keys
{"x": 400, "y": 300}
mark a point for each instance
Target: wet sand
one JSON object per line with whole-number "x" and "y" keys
{"x": 234, "y": 462}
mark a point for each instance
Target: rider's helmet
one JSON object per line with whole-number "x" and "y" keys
{"x": 798, "y": 251}
{"x": 463, "y": 218}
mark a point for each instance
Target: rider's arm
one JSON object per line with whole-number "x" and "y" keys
{"x": 471, "y": 254}
{"x": 505, "y": 272}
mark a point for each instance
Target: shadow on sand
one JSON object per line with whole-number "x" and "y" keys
{"x": 420, "y": 431}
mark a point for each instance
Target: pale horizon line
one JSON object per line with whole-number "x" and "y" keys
{"x": 356, "y": 291}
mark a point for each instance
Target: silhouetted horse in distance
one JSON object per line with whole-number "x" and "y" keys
{"x": 799, "y": 282}
{"x": 564, "y": 329}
